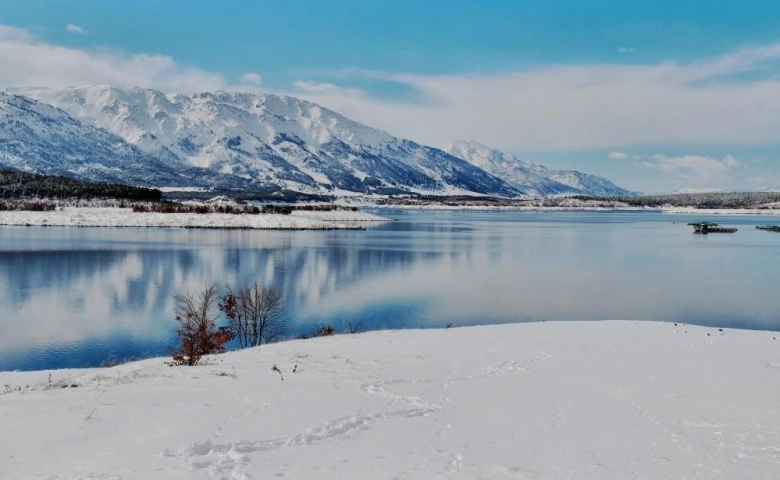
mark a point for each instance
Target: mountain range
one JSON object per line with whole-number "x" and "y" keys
{"x": 530, "y": 177}
{"x": 250, "y": 142}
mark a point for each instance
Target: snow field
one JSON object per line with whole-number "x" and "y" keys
{"x": 552, "y": 400}
{"x": 125, "y": 217}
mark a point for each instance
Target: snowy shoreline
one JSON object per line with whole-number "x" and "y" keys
{"x": 125, "y": 217}
{"x": 667, "y": 210}
{"x": 549, "y": 400}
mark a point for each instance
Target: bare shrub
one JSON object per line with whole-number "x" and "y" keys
{"x": 325, "y": 330}
{"x": 254, "y": 314}
{"x": 198, "y": 333}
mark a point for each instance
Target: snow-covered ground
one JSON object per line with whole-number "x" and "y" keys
{"x": 125, "y": 217}
{"x": 553, "y": 400}
{"x": 722, "y": 211}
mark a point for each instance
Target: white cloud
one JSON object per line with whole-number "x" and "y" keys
{"x": 617, "y": 156}
{"x": 75, "y": 29}
{"x": 29, "y": 62}
{"x": 549, "y": 108}
{"x": 575, "y": 107}
{"x": 695, "y": 167}
{"x": 625, "y": 49}
{"x": 13, "y": 34}
{"x": 252, "y": 79}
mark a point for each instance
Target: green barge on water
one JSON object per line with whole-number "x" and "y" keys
{"x": 709, "y": 227}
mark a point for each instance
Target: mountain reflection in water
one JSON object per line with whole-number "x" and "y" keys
{"x": 77, "y": 297}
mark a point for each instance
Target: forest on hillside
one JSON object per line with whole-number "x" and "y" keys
{"x": 16, "y": 184}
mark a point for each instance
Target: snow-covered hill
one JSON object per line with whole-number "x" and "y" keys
{"x": 549, "y": 400}
{"x": 250, "y": 141}
{"x": 530, "y": 177}
{"x": 39, "y": 138}
{"x": 271, "y": 140}
{"x": 588, "y": 184}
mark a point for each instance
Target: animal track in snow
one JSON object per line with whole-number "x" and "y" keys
{"x": 378, "y": 389}
{"x": 497, "y": 369}
{"x": 227, "y": 460}
{"x": 88, "y": 476}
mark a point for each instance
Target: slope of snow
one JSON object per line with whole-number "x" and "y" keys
{"x": 568, "y": 400}
{"x": 125, "y": 217}
{"x": 532, "y": 178}
{"x": 37, "y": 137}
{"x": 270, "y": 139}
{"x": 588, "y": 184}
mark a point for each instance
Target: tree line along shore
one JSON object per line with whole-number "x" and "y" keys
{"x": 26, "y": 191}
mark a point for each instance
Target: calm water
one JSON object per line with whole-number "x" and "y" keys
{"x": 76, "y": 297}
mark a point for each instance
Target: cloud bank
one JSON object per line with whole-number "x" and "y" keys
{"x": 579, "y": 107}
{"x": 29, "y": 62}
{"x": 693, "y": 167}
{"x": 730, "y": 100}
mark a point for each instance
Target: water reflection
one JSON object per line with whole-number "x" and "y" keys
{"x": 75, "y": 297}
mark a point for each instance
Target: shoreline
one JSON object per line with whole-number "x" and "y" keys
{"x": 666, "y": 210}
{"x": 411, "y": 330}
{"x": 125, "y": 218}
{"x": 298, "y": 220}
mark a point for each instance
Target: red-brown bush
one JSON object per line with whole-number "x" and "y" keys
{"x": 198, "y": 333}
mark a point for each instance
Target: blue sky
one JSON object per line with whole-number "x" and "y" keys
{"x": 658, "y": 96}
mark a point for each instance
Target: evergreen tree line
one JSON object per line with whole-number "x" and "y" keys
{"x": 17, "y": 184}
{"x": 698, "y": 200}
{"x": 713, "y": 200}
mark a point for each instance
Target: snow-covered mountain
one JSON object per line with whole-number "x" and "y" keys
{"x": 588, "y": 184}
{"x": 270, "y": 140}
{"x": 532, "y": 178}
{"x": 37, "y": 137}
{"x": 250, "y": 141}
{"x": 40, "y": 138}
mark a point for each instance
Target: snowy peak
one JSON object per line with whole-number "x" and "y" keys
{"x": 593, "y": 185}
{"x": 271, "y": 140}
{"x": 477, "y": 154}
{"x": 142, "y": 111}
{"x": 39, "y": 138}
{"x": 531, "y": 177}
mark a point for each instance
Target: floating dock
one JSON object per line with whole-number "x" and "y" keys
{"x": 769, "y": 228}
{"x": 709, "y": 227}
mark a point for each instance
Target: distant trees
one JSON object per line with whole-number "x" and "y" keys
{"x": 176, "y": 207}
{"x": 704, "y": 200}
{"x": 254, "y": 314}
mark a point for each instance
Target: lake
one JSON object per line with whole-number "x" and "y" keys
{"x": 77, "y": 297}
